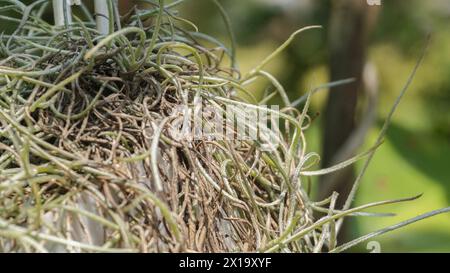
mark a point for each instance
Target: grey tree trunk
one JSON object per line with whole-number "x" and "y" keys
{"x": 350, "y": 24}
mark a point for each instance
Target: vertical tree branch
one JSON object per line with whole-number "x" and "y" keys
{"x": 350, "y": 25}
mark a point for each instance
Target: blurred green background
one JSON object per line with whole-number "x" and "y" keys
{"x": 415, "y": 157}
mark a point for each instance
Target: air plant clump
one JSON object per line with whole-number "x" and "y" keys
{"x": 89, "y": 162}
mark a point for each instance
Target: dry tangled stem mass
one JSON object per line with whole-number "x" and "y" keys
{"x": 88, "y": 161}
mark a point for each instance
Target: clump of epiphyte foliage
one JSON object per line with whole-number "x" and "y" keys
{"x": 88, "y": 162}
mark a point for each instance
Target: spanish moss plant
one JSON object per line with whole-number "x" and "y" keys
{"x": 89, "y": 161}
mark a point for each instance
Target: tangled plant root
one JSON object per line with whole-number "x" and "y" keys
{"x": 89, "y": 163}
